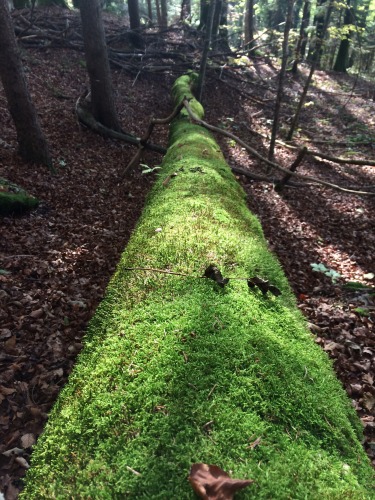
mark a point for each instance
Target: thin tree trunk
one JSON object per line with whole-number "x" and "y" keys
{"x": 164, "y": 13}
{"x": 102, "y": 99}
{"x": 149, "y": 9}
{"x": 342, "y": 58}
{"x": 280, "y": 90}
{"x": 158, "y": 12}
{"x": 302, "y": 39}
{"x": 135, "y": 22}
{"x": 185, "y": 10}
{"x": 203, "y": 15}
{"x": 316, "y": 60}
{"x": 31, "y": 141}
{"x": 249, "y": 26}
{"x": 206, "y": 48}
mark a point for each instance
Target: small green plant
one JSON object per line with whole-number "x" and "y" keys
{"x": 148, "y": 170}
{"x": 321, "y": 268}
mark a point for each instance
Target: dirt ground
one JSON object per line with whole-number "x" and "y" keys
{"x": 55, "y": 262}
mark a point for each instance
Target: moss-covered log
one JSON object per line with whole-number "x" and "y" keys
{"x": 178, "y": 370}
{"x": 15, "y": 200}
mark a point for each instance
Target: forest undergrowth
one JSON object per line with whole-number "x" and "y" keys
{"x": 56, "y": 262}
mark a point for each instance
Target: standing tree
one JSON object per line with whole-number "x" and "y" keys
{"x": 31, "y": 141}
{"x": 133, "y": 7}
{"x": 280, "y": 90}
{"x": 249, "y": 28}
{"x": 185, "y": 10}
{"x": 302, "y": 39}
{"x": 342, "y": 58}
{"x": 206, "y": 48}
{"x": 102, "y": 99}
{"x": 164, "y": 13}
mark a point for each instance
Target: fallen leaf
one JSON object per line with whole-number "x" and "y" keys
{"x": 27, "y": 440}
{"x": 369, "y": 401}
{"x": 212, "y": 483}
{"x": 213, "y": 273}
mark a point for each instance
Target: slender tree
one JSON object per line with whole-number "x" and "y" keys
{"x": 206, "y": 48}
{"x": 164, "y": 13}
{"x": 102, "y": 98}
{"x": 149, "y": 10}
{"x": 133, "y": 7}
{"x": 185, "y": 10}
{"x": 342, "y": 58}
{"x": 203, "y": 13}
{"x": 158, "y": 12}
{"x": 315, "y": 63}
{"x": 280, "y": 90}
{"x": 302, "y": 38}
{"x": 31, "y": 141}
{"x": 249, "y": 27}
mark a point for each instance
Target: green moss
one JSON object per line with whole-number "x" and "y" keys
{"x": 16, "y": 203}
{"x": 176, "y": 370}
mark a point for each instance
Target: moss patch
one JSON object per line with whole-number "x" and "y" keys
{"x": 14, "y": 200}
{"x": 177, "y": 370}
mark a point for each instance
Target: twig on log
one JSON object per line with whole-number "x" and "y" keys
{"x": 251, "y": 150}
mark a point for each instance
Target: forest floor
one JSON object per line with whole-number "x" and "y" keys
{"x": 55, "y": 262}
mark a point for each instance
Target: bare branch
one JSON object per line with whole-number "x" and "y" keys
{"x": 251, "y": 150}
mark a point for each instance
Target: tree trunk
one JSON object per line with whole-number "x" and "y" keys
{"x": 185, "y": 10}
{"x": 296, "y": 11}
{"x": 249, "y": 26}
{"x": 149, "y": 10}
{"x": 206, "y": 48}
{"x": 102, "y": 99}
{"x": 134, "y": 19}
{"x": 216, "y": 23}
{"x": 302, "y": 39}
{"x": 342, "y": 58}
{"x": 177, "y": 368}
{"x": 31, "y": 141}
{"x": 280, "y": 90}
{"x": 164, "y": 13}
{"x": 203, "y": 16}
{"x": 158, "y": 12}
{"x": 321, "y": 21}
{"x": 315, "y": 62}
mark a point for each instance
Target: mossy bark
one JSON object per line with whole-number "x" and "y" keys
{"x": 14, "y": 200}
{"x": 177, "y": 370}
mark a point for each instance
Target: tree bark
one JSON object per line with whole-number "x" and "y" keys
{"x": 31, "y": 141}
{"x": 342, "y": 58}
{"x": 302, "y": 39}
{"x": 206, "y": 48}
{"x": 134, "y": 19}
{"x": 280, "y": 90}
{"x": 185, "y": 10}
{"x": 249, "y": 26}
{"x": 102, "y": 99}
{"x": 164, "y": 13}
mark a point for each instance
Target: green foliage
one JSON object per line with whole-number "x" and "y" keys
{"x": 178, "y": 370}
{"x": 321, "y": 268}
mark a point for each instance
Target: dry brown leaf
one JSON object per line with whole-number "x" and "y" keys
{"x": 212, "y": 483}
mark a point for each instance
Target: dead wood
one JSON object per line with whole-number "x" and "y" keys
{"x": 144, "y": 140}
{"x": 280, "y": 185}
{"x": 85, "y": 116}
{"x": 251, "y": 150}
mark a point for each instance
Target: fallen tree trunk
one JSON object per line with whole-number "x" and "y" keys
{"x": 178, "y": 369}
